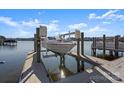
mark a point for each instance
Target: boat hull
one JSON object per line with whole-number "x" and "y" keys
{"x": 61, "y": 48}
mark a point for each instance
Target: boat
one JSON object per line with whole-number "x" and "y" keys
{"x": 57, "y": 46}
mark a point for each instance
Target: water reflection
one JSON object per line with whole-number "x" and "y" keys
{"x": 14, "y": 57}
{"x": 8, "y": 47}
{"x": 62, "y": 71}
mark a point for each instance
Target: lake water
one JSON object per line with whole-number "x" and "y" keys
{"x": 14, "y": 57}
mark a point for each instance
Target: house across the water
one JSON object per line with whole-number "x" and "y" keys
{"x": 2, "y": 39}
{"x": 5, "y": 41}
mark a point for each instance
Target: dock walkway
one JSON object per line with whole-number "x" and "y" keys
{"x": 103, "y": 71}
{"x": 34, "y": 72}
{"x": 111, "y": 70}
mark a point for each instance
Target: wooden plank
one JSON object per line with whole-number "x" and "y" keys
{"x": 112, "y": 70}
{"x": 109, "y": 46}
{"x": 34, "y": 72}
{"x": 84, "y": 58}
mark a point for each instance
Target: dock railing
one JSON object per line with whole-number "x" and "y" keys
{"x": 107, "y": 43}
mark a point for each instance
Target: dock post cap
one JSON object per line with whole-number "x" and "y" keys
{"x": 43, "y": 31}
{"x": 77, "y": 33}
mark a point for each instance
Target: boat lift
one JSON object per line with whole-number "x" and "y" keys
{"x": 42, "y": 32}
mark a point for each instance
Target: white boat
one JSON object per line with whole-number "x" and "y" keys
{"x": 57, "y": 46}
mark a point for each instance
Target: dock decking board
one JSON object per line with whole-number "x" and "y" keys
{"x": 34, "y": 72}
{"x": 109, "y": 71}
{"x": 113, "y": 70}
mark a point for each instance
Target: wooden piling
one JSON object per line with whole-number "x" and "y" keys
{"x": 35, "y": 42}
{"x": 122, "y": 54}
{"x": 104, "y": 45}
{"x": 62, "y": 60}
{"x": 82, "y": 43}
{"x": 94, "y": 46}
{"x": 78, "y": 46}
{"x": 77, "y": 36}
{"x": 116, "y": 45}
{"x": 82, "y": 49}
{"x": 78, "y": 64}
{"x": 78, "y": 53}
{"x": 110, "y": 52}
{"x": 38, "y": 53}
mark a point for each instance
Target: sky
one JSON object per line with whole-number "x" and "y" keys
{"x": 93, "y": 22}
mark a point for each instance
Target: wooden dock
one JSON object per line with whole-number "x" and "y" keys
{"x": 10, "y": 42}
{"x": 103, "y": 71}
{"x": 34, "y": 72}
{"x": 112, "y": 44}
{"x": 111, "y": 70}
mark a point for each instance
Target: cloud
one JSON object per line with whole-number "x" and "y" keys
{"x": 22, "y": 33}
{"x": 20, "y": 28}
{"x": 8, "y": 21}
{"x": 26, "y": 28}
{"x": 77, "y": 26}
{"x": 31, "y": 23}
{"x": 103, "y": 16}
{"x": 106, "y": 22}
{"x": 55, "y": 21}
{"x": 92, "y": 16}
{"x": 39, "y": 13}
{"x": 96, "y": 29}
{"x": 53, "y": 26}
{"x": 110, "y": 15}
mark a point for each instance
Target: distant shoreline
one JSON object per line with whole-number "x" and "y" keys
{"x": 32, "y": 39}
